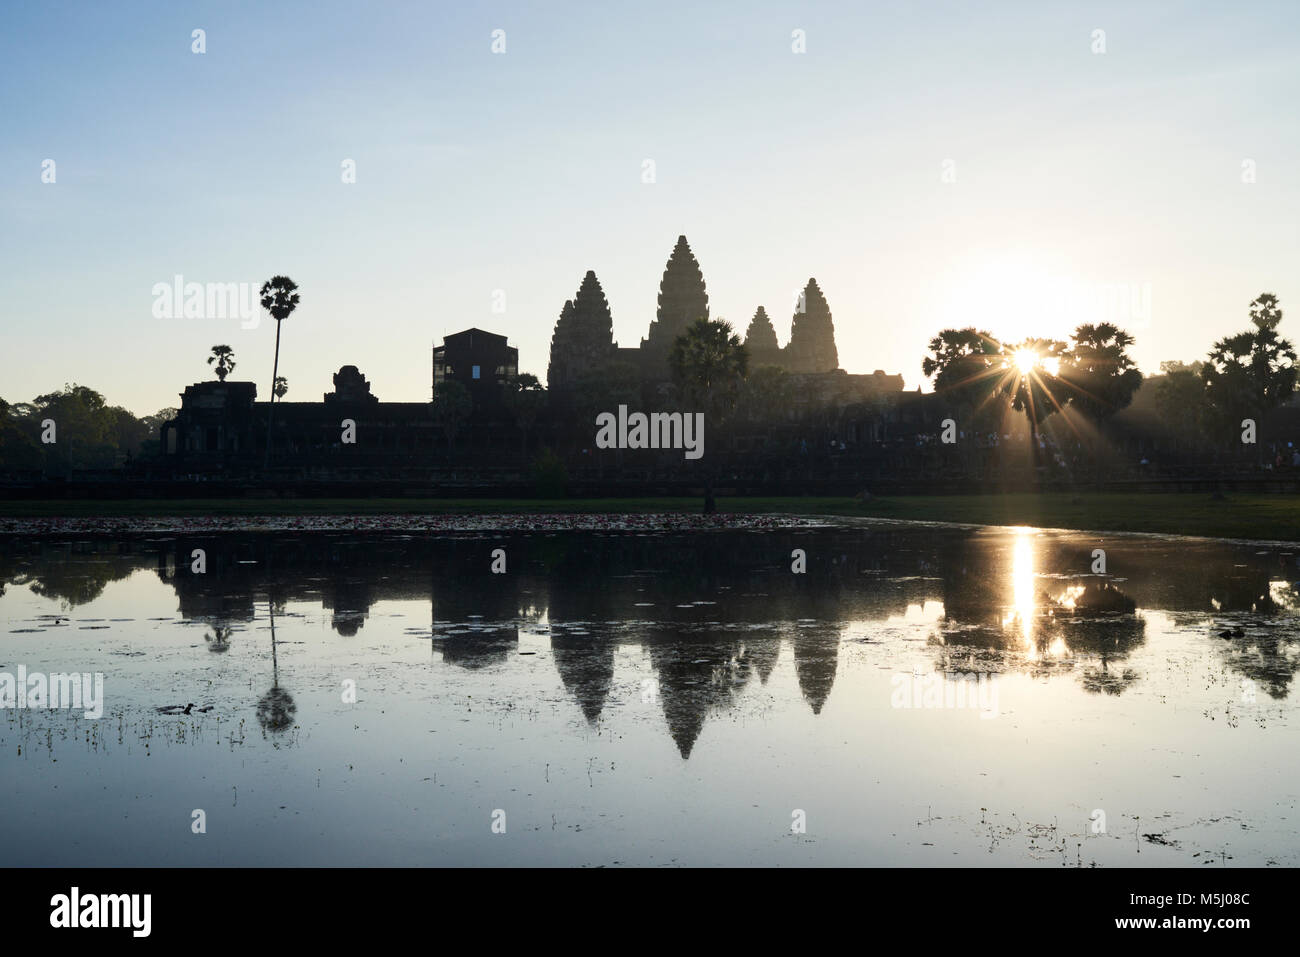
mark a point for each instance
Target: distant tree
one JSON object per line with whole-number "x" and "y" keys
{"x": 280, "y": 299}
{"x": 709, "y": 364}
{"x": 1032, "y": 383}
{"x": 1099, "y": 377}
{"x": 967, "y": 366}
{"x": 451, "y": 406}
{"x": 1249, "y": 373}
{"x": 603, "y": 389}
{"x": 767, "y": 395}
{"x": 160, "y": 418}
{"x": 524, "y": 399}
{"x": 281, "y": 387}
{"x": 1099, "y": 374}
{"x": 549, "y": 475}
{"x": 17, "y": 448}
{"x": 151, "y": 447}
{"x": 85, "y": 428}
{"x": 1180, "y": 400}
{"x": 224, "y": 357}
{"x": 128, "y": 433}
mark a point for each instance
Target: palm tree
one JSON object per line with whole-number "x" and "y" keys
{"x": 1100, "y": 377}
{"x": 1033, "y": 369}
{"x": 524, "y": 398}
{"x": 1251, "y": 372}
{"x": 281, "y": 387}
{"x": 709, "y": 364}
{"x": 224, "y": 357}
{"x": 451, "y": 406}
{"x": 279, "y": 298}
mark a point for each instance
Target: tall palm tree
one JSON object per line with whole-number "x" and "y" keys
{"x": 451, "y": 406}
{"x": 224, "y": 357}
{"x": 279, "y": 298}
{"x": 524, "y": 399}
{"x": 281, "y": 387}
{"x": 709, "y": 364}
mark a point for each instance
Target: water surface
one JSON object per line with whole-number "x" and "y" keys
{"x": 640, "y": 693}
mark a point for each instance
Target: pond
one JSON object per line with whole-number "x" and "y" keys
{"x": 641, "y": 692}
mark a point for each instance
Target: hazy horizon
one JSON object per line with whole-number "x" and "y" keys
{"x": 1077, "y": 175}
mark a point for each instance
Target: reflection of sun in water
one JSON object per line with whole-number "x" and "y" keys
{"x": 1022, "y": 584}
{"x": 1282, "y": 593}
{"x": 1071, "y": 596}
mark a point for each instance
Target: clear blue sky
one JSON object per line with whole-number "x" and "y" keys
{"x": 475, "y": 172}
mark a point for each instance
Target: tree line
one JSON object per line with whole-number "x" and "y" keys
{"x": 88, "y": 432}
{"x": 1244, "y": 376}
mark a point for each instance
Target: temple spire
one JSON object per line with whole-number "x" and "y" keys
{"x": 682, "y": 300}
{"x": 760, "y": 340}
{"x": 583, "y": 341}
{"x": 812, "y": 334}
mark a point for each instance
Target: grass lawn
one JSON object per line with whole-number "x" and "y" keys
{"x": 1238, "y": 516}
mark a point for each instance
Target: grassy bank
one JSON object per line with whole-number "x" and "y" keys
{"x": 1238, "y": 516}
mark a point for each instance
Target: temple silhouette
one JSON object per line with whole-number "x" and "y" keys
{"x": 221, "y": 424}
{"x": 583, "y": 342}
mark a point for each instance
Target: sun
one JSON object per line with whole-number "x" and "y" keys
{"x": 1031, "y": 362}
{"x": 1025, "y": 360}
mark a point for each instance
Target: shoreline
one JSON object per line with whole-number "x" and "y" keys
{"x": 1242, "y": 517}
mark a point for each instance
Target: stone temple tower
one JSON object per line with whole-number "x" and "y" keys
{"x": 812, "y": 334}
{"x": 760, "y": 340}
{"x": 682, "y": 300}
{"x": 583, "y": 341}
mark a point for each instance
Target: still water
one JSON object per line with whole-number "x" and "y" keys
{"x": 633, "y": 694}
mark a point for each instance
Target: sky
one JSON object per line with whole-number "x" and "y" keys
{"x": 932, "y": 165}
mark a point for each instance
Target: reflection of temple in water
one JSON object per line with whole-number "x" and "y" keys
{"x": 712, "y": 611}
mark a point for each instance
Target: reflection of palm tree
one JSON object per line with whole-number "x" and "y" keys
{"x": 1271, "y": 660}
{"x": 218, "y": 639}
{"x": 1102, "y": 680}
{"x": 276, "y": 709}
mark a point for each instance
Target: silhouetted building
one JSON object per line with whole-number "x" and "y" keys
{"x": 483, "y": 362}
{"x": 350, "y": 388}
{"x": 215, "y": 422}
{"x": 220, "y": 425}
{"x": 760, "y": 340}
{"x": 812, "y": 334}
{"x": 682, "y": 300}
{"x": 583, "y": 342}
